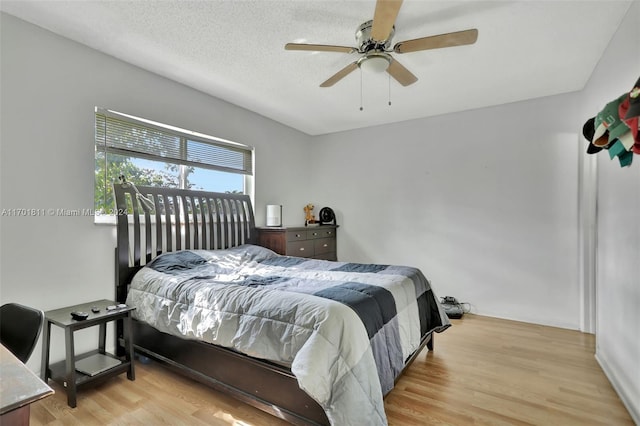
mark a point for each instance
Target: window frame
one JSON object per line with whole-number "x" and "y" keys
{"x": 225, "y": 151}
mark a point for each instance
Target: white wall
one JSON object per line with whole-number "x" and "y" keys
{"x": 49, "y": 88}
{"x": 484, "y": 202}
{"x": 618, "y": 224}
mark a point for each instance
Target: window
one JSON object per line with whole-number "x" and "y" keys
{"x": 153, "y": 154}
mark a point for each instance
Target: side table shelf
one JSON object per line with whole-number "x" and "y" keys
{"x": 100, "y": 364}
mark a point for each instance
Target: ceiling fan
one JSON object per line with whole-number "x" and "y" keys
{"x": 374, "y": 42}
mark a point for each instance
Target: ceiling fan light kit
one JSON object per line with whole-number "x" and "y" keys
{"x": 377, "y": 62}
{"x": 374, "y": 44}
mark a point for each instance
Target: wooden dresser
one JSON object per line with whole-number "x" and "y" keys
{"x": 317, "y": 242}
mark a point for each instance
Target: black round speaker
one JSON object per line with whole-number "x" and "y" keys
{"x": 327, "y": 216}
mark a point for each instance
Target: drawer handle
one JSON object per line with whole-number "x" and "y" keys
{"x": 325, "y": 245}
{"x": 298, "y": 235}
{"x": 301, "y": 248}
{"x": 328, "y": 232}
{"x": 315, "y": 233}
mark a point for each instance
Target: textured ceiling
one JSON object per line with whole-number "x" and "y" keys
{"x": 234, "y": 50}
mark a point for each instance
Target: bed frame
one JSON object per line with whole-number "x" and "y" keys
{"x": 151, "y": 221}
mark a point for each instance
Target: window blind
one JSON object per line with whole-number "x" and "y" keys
{"x": 125, "y": 135}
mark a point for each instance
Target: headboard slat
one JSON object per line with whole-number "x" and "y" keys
{"x": 224, "y": 212}
{"x": 214, "y": 224}
{"x": 158, "y": 205}
{"x": 196, "y": 234}
{"x": 147, "y": 236}
{"x": 233, "y": 230}
{"x": 178, "y": 227}
{"x": 168, "y": 203}
{"x": 136, "y": 224}
{"x": 188, "y": 219}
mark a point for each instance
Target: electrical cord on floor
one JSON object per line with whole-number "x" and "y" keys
{"x": 467, "y": 309}
{"x": 449, "y": 300}
{"x": 452, "y": 307}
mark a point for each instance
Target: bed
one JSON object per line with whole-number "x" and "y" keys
{"x": 260, "y": 326}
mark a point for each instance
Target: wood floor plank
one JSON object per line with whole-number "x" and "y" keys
{"x": 484, "y": 371}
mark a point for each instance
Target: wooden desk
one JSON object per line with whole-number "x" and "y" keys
{"x": 19, "y": 387}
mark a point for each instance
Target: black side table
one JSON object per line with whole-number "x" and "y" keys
{"x": 95, "y": 365}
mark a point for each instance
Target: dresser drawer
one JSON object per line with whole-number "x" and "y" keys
{"x": 324, "y": 245}
{"x": 321, "y": 232}
{"x": 327, "y": 232}
{"x": 300, "y": 248}
{"x": 313, "y": 234}
{"x": 297, "y": 235}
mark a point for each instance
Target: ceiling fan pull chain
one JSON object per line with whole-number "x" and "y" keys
{"x": 389, "y": 75}
{"x": 361, "y": 90}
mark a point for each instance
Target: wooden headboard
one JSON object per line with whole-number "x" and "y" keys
{"x": 153, "y": 220}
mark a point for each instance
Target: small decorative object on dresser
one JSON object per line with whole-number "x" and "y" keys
{"x": 309, "y": 217}
{"x": 327, "y": 216}
{"x": 316, "y": 243}
{"x": 274, "y": 215}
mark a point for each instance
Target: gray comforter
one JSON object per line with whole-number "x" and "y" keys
{"x": 334, "y": 323}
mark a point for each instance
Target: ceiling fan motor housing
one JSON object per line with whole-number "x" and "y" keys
{"x": 366, "y": 43}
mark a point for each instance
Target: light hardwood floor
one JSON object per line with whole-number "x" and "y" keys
{"x": 483, "y": 371}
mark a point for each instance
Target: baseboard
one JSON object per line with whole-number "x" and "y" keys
{"x": 620, "y": 388}
{"x": 535, "y": 321}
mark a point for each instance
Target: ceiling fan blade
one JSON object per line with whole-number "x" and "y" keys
{"x": 384, "y": 18}
{"x": 319, "y": 47}
{"x": 459, "y": 38}
{"x": 400, "y": 73}
{"x": 340, "y": 74}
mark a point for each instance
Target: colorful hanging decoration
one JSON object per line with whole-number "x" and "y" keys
{"x": 615, "y": 128}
